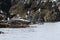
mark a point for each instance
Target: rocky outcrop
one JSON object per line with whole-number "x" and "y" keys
{"x": 13, "y": 7}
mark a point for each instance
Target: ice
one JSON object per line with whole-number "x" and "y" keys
{"x": 46, "y": 31}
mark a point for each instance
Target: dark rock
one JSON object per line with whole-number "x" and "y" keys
{"x": 1, "y": 32}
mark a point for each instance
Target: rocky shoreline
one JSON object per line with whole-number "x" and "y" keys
{"x": 13, "y": 26}
{"x": 14, "y": 23}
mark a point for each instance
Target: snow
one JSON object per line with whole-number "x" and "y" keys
{"x": 46, "y": 31}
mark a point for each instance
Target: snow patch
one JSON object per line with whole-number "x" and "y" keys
{"x": 46, "y": 31}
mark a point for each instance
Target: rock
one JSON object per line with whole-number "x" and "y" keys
{"x": 1, "y": 32}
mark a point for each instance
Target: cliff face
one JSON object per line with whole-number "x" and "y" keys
{"x": 20, "y": 7}
{"x": 13, "y": 7}
{"x": 5, "y": 5}
{"x": 16, "y": 5}
{"x": 14, "y": 2}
